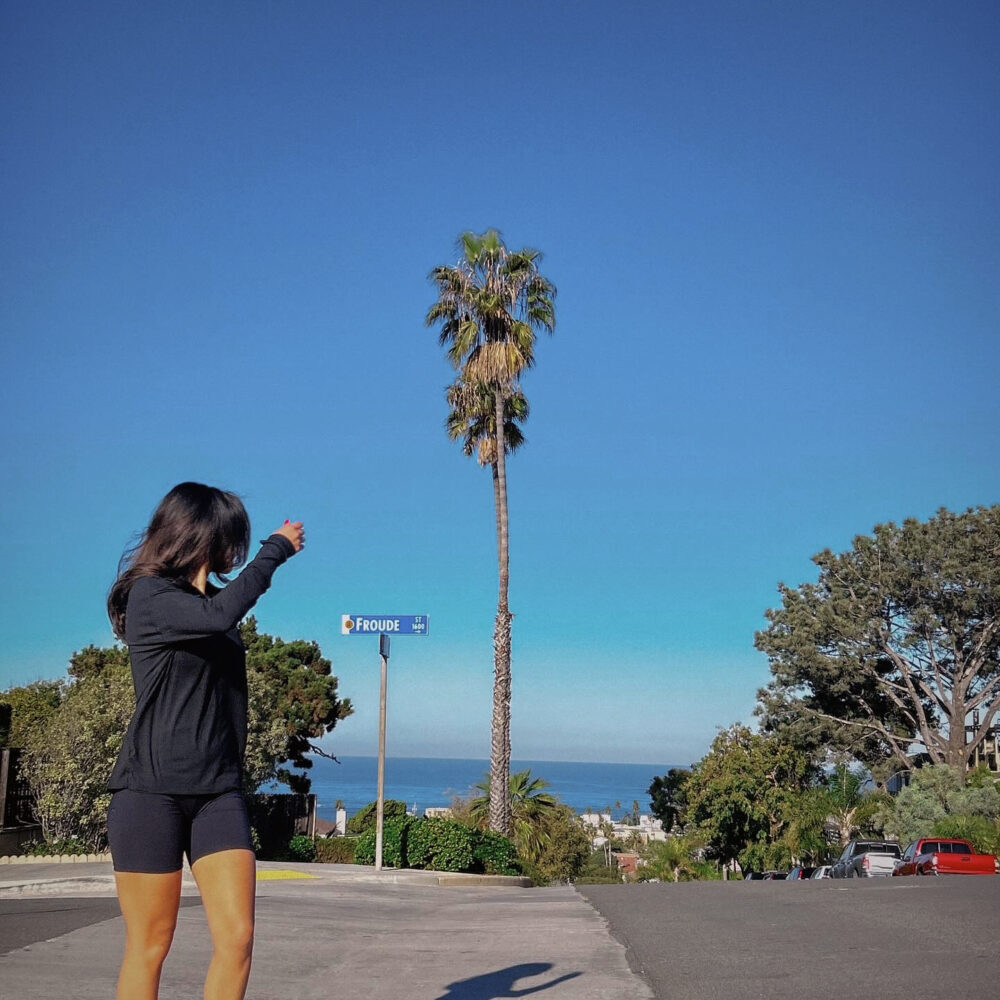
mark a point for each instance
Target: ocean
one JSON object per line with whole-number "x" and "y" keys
{"x": 434, "y": 781}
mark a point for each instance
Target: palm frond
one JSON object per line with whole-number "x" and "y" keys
{"x": 490, "y": 305}
{"x": 472, "y": 418}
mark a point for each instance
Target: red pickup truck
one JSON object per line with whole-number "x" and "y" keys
{"x": 941, "y": 856}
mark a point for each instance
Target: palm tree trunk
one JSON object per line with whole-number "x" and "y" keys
{"x": 500, "y": 809}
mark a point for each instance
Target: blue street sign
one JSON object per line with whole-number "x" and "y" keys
{"x": 389, "y": 624}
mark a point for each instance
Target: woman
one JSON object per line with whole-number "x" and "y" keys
{"x": 177, "y": 783}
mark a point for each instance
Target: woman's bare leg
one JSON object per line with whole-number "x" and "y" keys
{"x": 149, "y": 905}
{"x": 228, "y": 882}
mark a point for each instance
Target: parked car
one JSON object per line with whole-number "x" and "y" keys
{"x": 824, "y": 871}
{"x": 775, "y": 876}
{"x": 867, "y": 859}
{"x": 799, "y": 873}
{"x": 945, "y": 856}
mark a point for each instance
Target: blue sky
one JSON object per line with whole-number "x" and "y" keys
{"x": 774, "y": 231}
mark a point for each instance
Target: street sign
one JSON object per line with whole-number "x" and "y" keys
{"x": 389, "y": 624}
{"x": 384, "y": 626}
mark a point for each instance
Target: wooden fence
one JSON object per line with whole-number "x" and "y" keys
{"x": 15, "y": 798}
{"x": 278, "y": 818}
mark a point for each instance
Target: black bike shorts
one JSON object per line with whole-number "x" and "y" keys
{"x": 151, "y": 832}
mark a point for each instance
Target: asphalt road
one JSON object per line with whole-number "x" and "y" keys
{"x": 25, "y": 922}
{"x": 325, "y": 937}
{"x": 895, "y": 939}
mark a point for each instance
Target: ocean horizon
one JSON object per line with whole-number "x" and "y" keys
{"x": 424, "y": 782}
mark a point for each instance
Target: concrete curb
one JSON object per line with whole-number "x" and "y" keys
{"x": 50, "y": 859}
{"x": 94, "y": 886}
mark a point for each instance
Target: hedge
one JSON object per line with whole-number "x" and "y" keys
{"x": 336, "y": 850}
{"x": 394, "y": 835}
{"x": 442, "y": 845}
{"x": 495, "y": 854}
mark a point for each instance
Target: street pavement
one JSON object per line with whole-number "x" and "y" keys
{"x": 843, "y": 939}
{"x": 328, "y": 930}
{"x": 337, "y": 931}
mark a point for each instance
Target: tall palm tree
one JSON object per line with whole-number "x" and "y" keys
{"x": 490, "y": 306}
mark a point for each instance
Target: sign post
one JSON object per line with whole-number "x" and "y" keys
{"x": 383, "y": 652}
{"x": 384, "y": 626}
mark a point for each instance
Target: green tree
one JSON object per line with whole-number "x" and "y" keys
{"x": 898, "y": 641}
{"x": 67, "y": 764}
{"x": 293, "y": 702}
{"x": 563, "y": 850}
{"x": 490, "y": 306}
{"x": 366, "y": 817}
{"x": 72, "y": 731}
{"x": 667, "y": 798}
{"x": 935, "y": 795}
{"x": 675, "y": 859}
{"x": 983, "y": 833}
{"x": 32, "y": 706}
{"x": 531, "y": 807}
{"x": 843, "y": 799}
{"x": 744, "y": 794}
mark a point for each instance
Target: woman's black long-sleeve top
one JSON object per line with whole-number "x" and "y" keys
{"x": 189, "y": 730}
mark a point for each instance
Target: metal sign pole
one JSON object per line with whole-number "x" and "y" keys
{"x": 382, "y": 626}
{"x": 383, "y": 649}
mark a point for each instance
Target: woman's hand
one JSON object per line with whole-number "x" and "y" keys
{"x": 294, "y": 532}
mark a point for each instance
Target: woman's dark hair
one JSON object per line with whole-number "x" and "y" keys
{"x": 192, "y": 526}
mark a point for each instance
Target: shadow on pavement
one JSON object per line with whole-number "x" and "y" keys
{"x": 495, "y": 985}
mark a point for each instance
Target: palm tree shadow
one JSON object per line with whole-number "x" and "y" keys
{"x": 500, "y": 984}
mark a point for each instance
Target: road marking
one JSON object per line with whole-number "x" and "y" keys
{"x": 273, "y": 875}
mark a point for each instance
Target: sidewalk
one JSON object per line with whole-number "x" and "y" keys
{"x": 326, "y": 930}
{"x": 97, "y": 877}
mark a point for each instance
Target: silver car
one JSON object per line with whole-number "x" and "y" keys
{"x": 867, "y": 859}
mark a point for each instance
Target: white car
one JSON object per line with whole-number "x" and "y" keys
{"x": 824, "y": 871}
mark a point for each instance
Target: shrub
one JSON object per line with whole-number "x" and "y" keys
{"x": 365, "y": 818}
{"x": 982, "y": 833}
{"x": 67, "y": 762}
{"x": 564, "y": 848}
{"x": 596, "y": 871}
{"x": 301, "y": 848}
{"x": 441, "y": 845}
{"x": 394, "y": 837}
{"x": 337, "y": 850}
{"x": 53, "y": 848}
{"x": 436, "y": 844}
{"x": 364, "y": 848}
{"x": 496, "y": 855}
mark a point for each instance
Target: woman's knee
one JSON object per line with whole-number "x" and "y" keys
{"x": 235, "y": 938}
{"x": 151, "y": 945}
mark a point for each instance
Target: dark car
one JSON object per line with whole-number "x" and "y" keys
{"x": 799, "y": 873}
